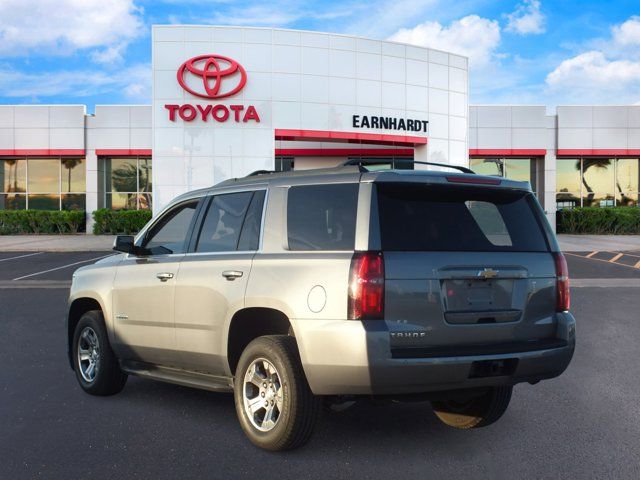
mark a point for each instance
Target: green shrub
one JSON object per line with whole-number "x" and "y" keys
{"x": 602, "y": 221}
{"x": 116, "y": 222}
{"x": 19, "y": 222}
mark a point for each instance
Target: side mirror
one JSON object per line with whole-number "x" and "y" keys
{"x": 124, "y": 243}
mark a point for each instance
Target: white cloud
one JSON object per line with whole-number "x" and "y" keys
{"x": 64, "y": 26}
{"x": 627, "y": 34}
{"x": 526, "y": 19}
{"x": 608, "y": 73}
{"x": 473, "y": 36}
{"x": 134, "y": 82}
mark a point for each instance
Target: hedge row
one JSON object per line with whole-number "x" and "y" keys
{"x": 15, "y": 222}
{"x": 116, "y": 222}
{"x": 594, "y": 220}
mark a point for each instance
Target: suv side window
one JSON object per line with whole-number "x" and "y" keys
{"x": 250, "y": 235}
{"x": 223, "y": 222}
{"x": 169, "y": 234}
{"x": 322, "y": 217}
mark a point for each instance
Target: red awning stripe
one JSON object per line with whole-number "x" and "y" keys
{"x": 344, "y": 152}
{"x": 42, "y": 152}
{"x": 607, "y": 152}
{"x": 122, "y": 152}
{"x": 349, "y": 137}
{"x": 507, "y": 152}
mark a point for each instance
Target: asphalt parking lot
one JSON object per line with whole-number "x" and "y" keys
{"x": 584, "y": 424}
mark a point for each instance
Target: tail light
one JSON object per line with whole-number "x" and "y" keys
{"x": 563, "y": 301}
{"x": 366, "y": 286}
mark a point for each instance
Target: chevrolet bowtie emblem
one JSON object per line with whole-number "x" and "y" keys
{"x": 487, "y": 273}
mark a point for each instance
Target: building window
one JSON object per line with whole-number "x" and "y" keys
{"x": 42, "y": 183}
{"x": 519, "y": 169}
{"x": 127, "y": 183}
{"x": 284, "y": 164}
{"x": 596, "y": 182}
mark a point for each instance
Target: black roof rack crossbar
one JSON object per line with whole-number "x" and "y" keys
{"x": 374, "y": 161}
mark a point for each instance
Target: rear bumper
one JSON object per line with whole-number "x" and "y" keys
{"x": 344, "y": 358}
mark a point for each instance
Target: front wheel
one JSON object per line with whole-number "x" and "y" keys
{"x": 275, "y": 406}
{"x": 96, "y": 366}
{"x": 474, "y": 411}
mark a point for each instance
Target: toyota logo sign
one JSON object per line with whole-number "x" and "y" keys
{"x": 212, "y": 77}
{"x": 206, "y": 75}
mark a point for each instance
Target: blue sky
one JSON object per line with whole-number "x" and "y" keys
{"x": 526, "y": 52}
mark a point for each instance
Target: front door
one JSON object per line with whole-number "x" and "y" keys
{"x": 144, "y": 288}
{"x": 212, "y": 280}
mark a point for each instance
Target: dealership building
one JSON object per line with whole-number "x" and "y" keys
{"x": 228, "y": 101}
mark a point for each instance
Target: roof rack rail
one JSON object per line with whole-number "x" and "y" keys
{"x": 360, "y": 162}
{"x": 260, "y": 172}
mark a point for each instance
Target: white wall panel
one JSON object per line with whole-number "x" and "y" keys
{"x": 575, "y": 117}
{"x": 494, "y": 138}
{"x": 438, "y": 101}
{"x": 72, "y": 116}
{"x": 574, "y": 138}
{"x": 490, "y": 116}
{"x": 315, "y": 61}
{"x": 438, "y": 76}
{"x": 31, "y": 138}
{"x": 610, "y": 117}
{"x": 66, "y": 138}
{"x": 31, "y": 116}
{"x": 368, "y": 66}
{"x": 342, "y": 64}
{"x": 6, "y": 139}
{"x": 609, "y": 138}
{"x": 6, "y": 116}
{"x": 528, "y": 116}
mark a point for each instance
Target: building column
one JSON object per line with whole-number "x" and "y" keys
{"x": 549, "y": 186}
{"x": 421, "y": 154}
{"x": 92, "y": 187}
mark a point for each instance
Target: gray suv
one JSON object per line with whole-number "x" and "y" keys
{"x": 320, "y": 288}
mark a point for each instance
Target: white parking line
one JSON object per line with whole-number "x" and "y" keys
{"x": 20, "y": 256}
{"x": 63, "y": 266}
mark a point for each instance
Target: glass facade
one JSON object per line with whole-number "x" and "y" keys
{"x": 520, "y": 169}
{"x": 42, "y": 183}
{"x": 127, "y": 183}
{"x": 596, "y": 182}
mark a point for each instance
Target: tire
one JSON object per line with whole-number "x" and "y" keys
{"x": 270, "y": 369}
{"x": 90, "y": 335}
{"x": 474, "y": 412}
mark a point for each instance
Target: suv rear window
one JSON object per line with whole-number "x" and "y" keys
{"x": 447, "y": 218}
{"x": 322, "y": 217}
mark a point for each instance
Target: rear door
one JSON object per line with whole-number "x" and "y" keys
{"x": 468, "y": 269}
{"x": 213, "y": 277}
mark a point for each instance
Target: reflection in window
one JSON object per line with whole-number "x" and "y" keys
{"x": 13, "y": 175}
{"x": 488, "y": 166}
{"x": 627, "y": 180}
{"x": 128, "y": 183}
{"x": 519, "y": 169}
{"x": 596, "y": 182}
{"x": 42, "y": 183}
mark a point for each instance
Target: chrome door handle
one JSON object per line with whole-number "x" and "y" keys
{"x": 164, "y": 276}
{"x": 232, "y": 274}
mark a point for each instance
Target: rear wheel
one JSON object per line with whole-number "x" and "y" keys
{"x": 275, "y": 406}
{"x": 97, "y": 368}
{"x": 475, "y": 411}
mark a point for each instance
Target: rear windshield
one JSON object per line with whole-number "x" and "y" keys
{"x": 446, "y": 218}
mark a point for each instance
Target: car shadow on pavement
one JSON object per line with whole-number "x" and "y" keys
{"x": 407, "y": 427}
